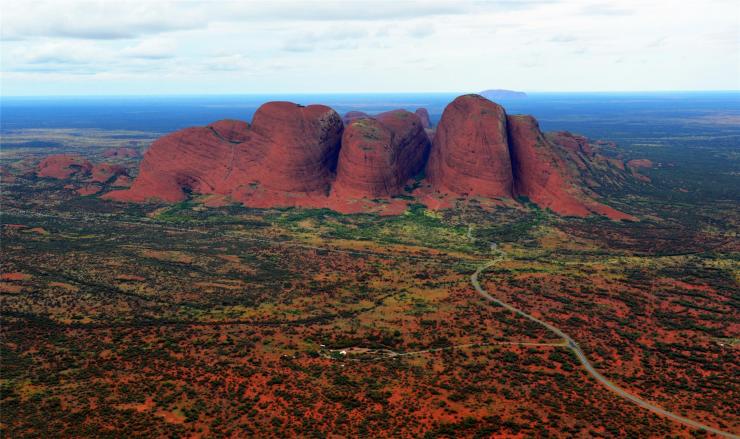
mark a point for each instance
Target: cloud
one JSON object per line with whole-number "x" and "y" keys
{"x": 563, "y": 38}
{"x": 658, "y": 42}
{"x": 127, "y": 19}
{"x": 94, "y": 20}
{"x": 605, "y": 9}
{"x": 421, "y": 30}
{"x": 151, "y": 49}
{"x": 58, "y": 53}
{"x": 332, "y": 38}
{"x": 54, "y": 58}
{"x": 258, "y": 46}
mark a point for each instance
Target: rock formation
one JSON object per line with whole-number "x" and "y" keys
{"x": 424, "y": 117}
{"x": 542, "y": 175}
{"x": 86, "y": 178}
{"x": 63, "y": 166}
{"x": 571, "y": 142}
{"x": 470, "y": 155}
{"x": 352, "y": 115}
{"x": 308, "y": 156}
{"x": 105, "y": 172}
{"x": 380, "y": 154}
{"x": 287, "y": 149}
{"x": 499, "y": 93}
{"x": 303, "y": 146}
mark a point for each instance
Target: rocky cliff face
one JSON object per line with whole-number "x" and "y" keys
{"x": 470, "y": 154}
{"x": 542, "y": 175}
{"x": 288, "y": 148}
{"x": 308, "y": 156}
{"x": 190, "y": 160}
{"x": 303, "y": 146}
{"x": 380, "y": 154}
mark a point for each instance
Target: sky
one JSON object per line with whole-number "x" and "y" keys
{"x": 141, "y": 47}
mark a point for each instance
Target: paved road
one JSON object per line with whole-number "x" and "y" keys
{"x": 573, "y": 346}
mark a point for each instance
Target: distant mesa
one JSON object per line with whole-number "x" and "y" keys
{"x": 291, "y": 155}
{"x": 502, "y": 94}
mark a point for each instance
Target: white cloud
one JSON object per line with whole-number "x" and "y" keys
{"x": 151, "y": 49}
{"x": 129, "y": 46}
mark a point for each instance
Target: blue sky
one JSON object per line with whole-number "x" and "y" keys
{"x": 189, "y": 47}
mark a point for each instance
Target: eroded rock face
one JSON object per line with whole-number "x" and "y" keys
{"x": 63, "y": 166}
{"x": 424, "y": 117}
{"x": 379, "y": 155}
{"x": 288, "y": 148}
{"x": 470, "y": 152}
{"x": 544, "y": 177}
{"x": 189, "y": 160}
{"x": 303, "y": 146}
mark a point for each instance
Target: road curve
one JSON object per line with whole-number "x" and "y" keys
{"x": 573, "y": 346}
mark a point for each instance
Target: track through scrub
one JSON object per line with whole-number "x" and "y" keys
{"x": 573, "y": 346}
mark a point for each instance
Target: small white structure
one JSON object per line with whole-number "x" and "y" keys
{"x": 342, "y": 352}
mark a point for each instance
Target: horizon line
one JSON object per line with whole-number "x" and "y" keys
{"x": 283, "y": 93}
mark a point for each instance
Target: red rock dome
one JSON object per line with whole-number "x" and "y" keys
{"x": 470, "y": 152}
{"x": 379, "y": 155}
{"x": 303, "y": 146}
{"x": 288, "y": 148}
